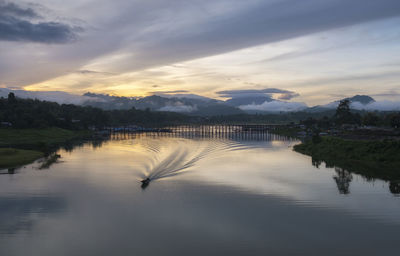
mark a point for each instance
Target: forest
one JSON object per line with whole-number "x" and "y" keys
{"x": 29, "y": 113}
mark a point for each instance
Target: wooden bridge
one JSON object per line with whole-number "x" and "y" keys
{"x": 200, "y": 128}
{"x": 218, "y": 129}
{"x": 235, "y": 132}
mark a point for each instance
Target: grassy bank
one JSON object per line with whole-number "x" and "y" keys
{"x": 372, "y": 159}
{"x": 23, "y": 146}
{"x": 37, "y": 137}
{"x": 11, "y": 157}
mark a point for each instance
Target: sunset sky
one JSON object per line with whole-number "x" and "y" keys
{"x": 317, "y": 50}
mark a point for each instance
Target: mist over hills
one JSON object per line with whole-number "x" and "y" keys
{"x": 181, "y": 103}
{"x": 193, "y": 104}
{"x": 357, "y": 102}
{"x": 243, "y": 101}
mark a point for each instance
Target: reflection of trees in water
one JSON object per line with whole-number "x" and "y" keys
{"x": 343, "y": 179}
{"x": 316, "y": 162}
{"x": 71, "y": 145}
{"x": 97, "y": 143}
{"x": 68, "y": 146}
{"x": 8, "y": 171}
{"x": 394, "y": 187}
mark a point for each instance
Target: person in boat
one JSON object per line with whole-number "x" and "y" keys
{"x": 145, "y": 182}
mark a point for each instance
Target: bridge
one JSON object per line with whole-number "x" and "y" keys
{"x": 235, "y": 132}
{"x": 229, "y": 128}
{"x": 200, "y": 128}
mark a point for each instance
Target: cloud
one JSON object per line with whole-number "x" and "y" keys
{"x": 14, "y": 10}
{"x": 385, "y": 105}
{"x": 92, "y": 72}
{"x": 54, "y": 96}
{"x": 390, "y": 93}
{"x": 229, "y": 93}
{"x": 134, "y": 35}
{"x": 282, "y": 94}
{"x": 127, "y": 36}
{"x": 178, "y": 107}
{"x": 288, "y": 96}
{"x": 250, "y": 24}
{"x": 275, "y": 106}
{"x": 355, "y": 77}
{"x": 170, "y": 92}
{"x": 180, "y": 94}
{"x": 16, "y": 25}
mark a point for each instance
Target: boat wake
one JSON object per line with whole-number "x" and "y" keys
{"x": 168, "y": 162}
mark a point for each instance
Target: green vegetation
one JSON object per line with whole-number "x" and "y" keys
{"x": 33, "y": 143}
{"x": 345, "y": 116}
{"x": 372, "y": 159}
{"x": 38, "y": 139}
{"x": 269, "y": 118}
{"x": 11, "y": 157}
{"x": 28, "y": 113}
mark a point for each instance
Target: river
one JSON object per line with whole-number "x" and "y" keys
{"x": 233, "y": 195}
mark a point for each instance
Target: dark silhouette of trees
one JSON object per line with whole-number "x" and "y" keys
{"x": 343, "y": 180}
{"x": 394, "y": 187}
{"x": 343, "y": 114}
{"x": 395, "y": 120}
{"x": 28, "y": 113}
{"x": 371, "y": 119}
{"x": 11, "y": 98}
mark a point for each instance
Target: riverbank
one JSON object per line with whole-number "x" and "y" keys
{"x": 372, "y": 159}
{"x": 11, "y": 157}
{"x": 23, "y": 146}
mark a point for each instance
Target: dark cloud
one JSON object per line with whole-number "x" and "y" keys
{"x": 282, "y": 94}
{"x": 256, "y": 24}
{"x": 92, "y": 72}
{"x": 171, "y": 92}
{"x": 14, "y": 10}
{"x": 288, "y": 96}
{"x": 153, "y": 33}
{"x": 268, "y": 92}
{"x": 16, "y": 25}
{"x": 228, "y": 93}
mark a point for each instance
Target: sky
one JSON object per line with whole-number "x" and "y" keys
{"x": 310, "y": 51}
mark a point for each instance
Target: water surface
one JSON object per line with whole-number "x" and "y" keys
{"x": 239, "y": 195}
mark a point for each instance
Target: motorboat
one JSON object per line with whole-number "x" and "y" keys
{"x": 145, "y": 183}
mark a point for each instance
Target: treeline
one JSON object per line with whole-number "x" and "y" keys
{"x": 271, "y": 118}
{"x": 345, "y": 116}
{"x": 29, "y": 113}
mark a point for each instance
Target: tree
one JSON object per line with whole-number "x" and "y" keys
{"x": 11, "y": 98}
{"x": 343, "y": 114}
{"x": 395, "y": 120}
{"x": 371, "y": 119}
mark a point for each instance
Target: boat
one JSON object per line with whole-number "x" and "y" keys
{"x": 145, "y": 183}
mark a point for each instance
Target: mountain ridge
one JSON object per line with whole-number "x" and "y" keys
{"x": 193, "y": 104}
